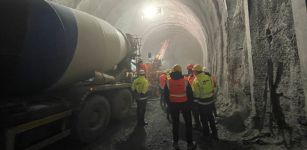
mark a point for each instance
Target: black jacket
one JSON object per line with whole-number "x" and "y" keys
{"x": 177, "y": 76}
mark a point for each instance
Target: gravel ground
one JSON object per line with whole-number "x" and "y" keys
{"x": 124, "y": 135}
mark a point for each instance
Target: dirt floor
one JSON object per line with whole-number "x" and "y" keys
{"x": 157, "y": 135}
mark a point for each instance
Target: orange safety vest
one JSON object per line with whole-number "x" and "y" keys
{"x": 163, "y": 78}
{"x": 177, "y": 90}
{"x": 191, "y": 79}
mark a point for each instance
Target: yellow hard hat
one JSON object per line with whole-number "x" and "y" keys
{"x": 177, "y": 68}
{"x": 197, "y": 68}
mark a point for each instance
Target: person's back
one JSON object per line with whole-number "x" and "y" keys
{"x": 205, "y": 86}
{"x": 203, "y": 92}
{"x": 140, "y": 89}
{"x": 140, "y": 85}
{"x": 178, "y": 94}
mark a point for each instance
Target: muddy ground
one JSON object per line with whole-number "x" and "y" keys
{"x": 124, "y": 135}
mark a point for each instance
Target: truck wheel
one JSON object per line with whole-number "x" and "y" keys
{"x": 93, "y": 118}
{"x": 120, "y": 104}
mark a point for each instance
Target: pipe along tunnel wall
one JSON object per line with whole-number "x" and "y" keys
{"x": 236, "y": 38}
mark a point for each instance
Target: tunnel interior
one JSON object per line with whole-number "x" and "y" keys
{"x": 234, "y": 39}
{"x": 252, "y": 47}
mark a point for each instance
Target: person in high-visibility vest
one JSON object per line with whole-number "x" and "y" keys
{"x": 140, "y": 89}
{"x": 203, "y": 92}
{"x": 213, "y": 78}
{"x": 179, "y": 95}
{"x": 190, "y": 78}
{"x": 162, "y": 81}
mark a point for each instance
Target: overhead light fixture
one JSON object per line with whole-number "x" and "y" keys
{"x": 150, "y": 11}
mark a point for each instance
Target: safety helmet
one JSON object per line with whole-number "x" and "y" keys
{"x": 198, "y": 68}
{"x": 142, "y": 72}
{"x": 205, "y": 69}
{"x": 190, "y": 66}
{"x": 177, "y": 68}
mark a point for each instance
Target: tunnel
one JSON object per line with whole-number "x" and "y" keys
{"x": 255, "y": 48}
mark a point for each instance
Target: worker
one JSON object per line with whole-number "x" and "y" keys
{"x": 190, "y": 78}
{"x": 213, "y": 78}
{"x": 140, "y": 89}
{"x": 162, "y": 81}
{"x": 142, "y": 66}
{"x": 178, "y": 94}
{"x": 203, "y": 91}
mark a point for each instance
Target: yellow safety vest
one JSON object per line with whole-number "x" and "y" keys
{"x": 140, "y": 85}
{"x": 202, "y": 86}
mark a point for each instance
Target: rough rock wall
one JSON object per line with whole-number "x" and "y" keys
{"x": 237, "y": 60}
{"x": 273, "y": 37}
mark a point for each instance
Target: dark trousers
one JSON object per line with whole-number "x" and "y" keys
{"x": 164, "y": 104}
{"x": 206, "y": 116}
{"x": 140, "y": 111}
{"x": 185, "y": 109}
{"x": 195, "y": 112}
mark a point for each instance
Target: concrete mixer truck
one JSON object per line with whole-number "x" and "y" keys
{"x": 54, "y": 62}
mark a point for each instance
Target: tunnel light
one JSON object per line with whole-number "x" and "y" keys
{"x": 150, "y": 11}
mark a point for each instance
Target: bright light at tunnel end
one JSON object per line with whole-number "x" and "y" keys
{"x": 150, "y": 11}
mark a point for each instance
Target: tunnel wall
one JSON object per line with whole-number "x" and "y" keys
{"x": 228, "y": 54}
{"x": 300, "y": 22}
{"x": 273, "y": 37}
{"x": 240, "y": 40}
{"x": 239, "y": 75}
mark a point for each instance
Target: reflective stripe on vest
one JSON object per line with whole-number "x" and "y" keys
{"x": 177, "y": 90}
{"x": 206, "y": 101}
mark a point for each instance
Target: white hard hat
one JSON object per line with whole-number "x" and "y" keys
{"x": 142, "y": 72}
{"x": 205, "y": 69}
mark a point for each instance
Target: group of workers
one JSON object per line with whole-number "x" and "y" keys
{"x": 193, "y": 94}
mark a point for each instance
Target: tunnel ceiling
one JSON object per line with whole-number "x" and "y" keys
{"x": 173, "y": 16}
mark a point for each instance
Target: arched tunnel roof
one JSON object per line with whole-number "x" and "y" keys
{"x": 196, "y": 18}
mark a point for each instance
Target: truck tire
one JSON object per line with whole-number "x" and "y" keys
{"x": 120, "y": 104}
{"x": 93, "y": 118}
